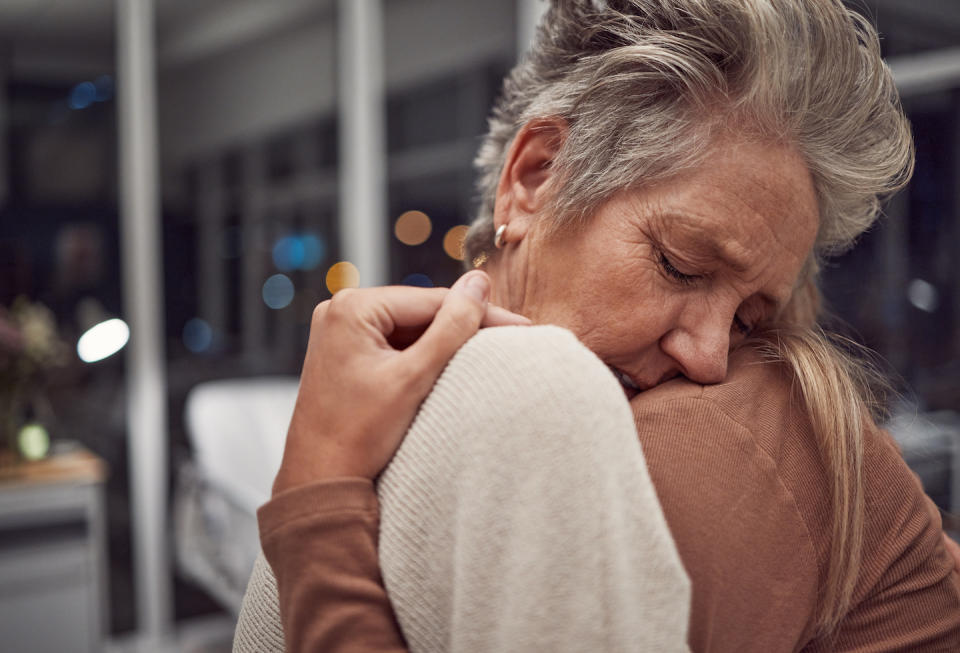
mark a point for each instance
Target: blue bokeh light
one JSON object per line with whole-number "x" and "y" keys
{"x": 314, "y": 251}
{"x": 417, "y": 279}
{"x": 288, "y": 253}
{"x": 278, "y": 291}
{"x": 197, "y": 335}
{"x": 298, "y": 252}
{"x": 83, "y": 95}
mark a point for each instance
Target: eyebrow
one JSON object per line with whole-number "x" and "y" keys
{"x": 692, "y": 232}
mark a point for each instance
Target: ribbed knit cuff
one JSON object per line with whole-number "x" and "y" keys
{"x": 336, "y": 495}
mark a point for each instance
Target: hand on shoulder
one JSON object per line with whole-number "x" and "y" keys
{"x": 372, "y": 357}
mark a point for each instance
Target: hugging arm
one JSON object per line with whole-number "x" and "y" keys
{"x": 372, "y": 357}
{"x": 518, "y": 514}
{"x": 321, "y": 541}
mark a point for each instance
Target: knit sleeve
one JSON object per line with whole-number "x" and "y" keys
{"x": 746, "y": 494}
{"x": 321, "y": 541}
{"x": 750, "y": 558}
{"x": 907, "y": 598}
{"x": 518, "y": 514}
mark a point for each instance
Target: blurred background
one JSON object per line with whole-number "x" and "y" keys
{"x": 182, "y": 181}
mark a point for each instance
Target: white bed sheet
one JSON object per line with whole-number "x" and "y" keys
{"x": 236, "y": 429}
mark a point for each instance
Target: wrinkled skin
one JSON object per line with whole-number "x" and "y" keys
{"x": 660, "y": 282}
{"x": 664, "y": 279}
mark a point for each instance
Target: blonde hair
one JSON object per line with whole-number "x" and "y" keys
{"x": 644, "y": 88}
{"x": 843, "y": 393}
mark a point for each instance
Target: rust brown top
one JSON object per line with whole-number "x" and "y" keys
{"x": 745, "y": 494}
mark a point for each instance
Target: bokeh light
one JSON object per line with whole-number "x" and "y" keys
{"x": 197, "y": 335}
{"x": 288, "y": 253}
{"x": 33, "y": 441}
{"x": 298, "y": 252}
{"x": 418, "y": 279}
{"x": 314, "y": 251}
{"x": 82, "y": 95}
{"x": 342, "y": 275}
{"x": 278, "y": 291}
{"x": 103, "y": 340}
{"x": 923, "y": 295}
{"x": 413, "y": 228}
{"x": 453, "y": 241}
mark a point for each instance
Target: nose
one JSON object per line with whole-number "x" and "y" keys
{"x": 700, "y": 351}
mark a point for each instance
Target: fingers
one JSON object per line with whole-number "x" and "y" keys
{"x": 404, "y": 336}
{"x": 389, "y": 307}
{"x": 498, "y": 316}
{"x": 393, "y": 308}
{"x": 358, "y": 394}
{"x": 459, "y": 318}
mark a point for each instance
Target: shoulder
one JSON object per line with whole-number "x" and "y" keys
{"x": 539, "y": 350}
{"x": 751, "y": 424}
{"x": 757, "y": 395}
{"x": 525, "y": 367}
{"x": 739, "y": 478}
{"x": 526, "y": 379}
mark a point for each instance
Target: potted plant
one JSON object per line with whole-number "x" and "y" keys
{"x": 30, "y": 349}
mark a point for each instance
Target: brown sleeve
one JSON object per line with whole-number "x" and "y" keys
{"x": 321, "y": 541}
{"x": 907, "y": 598}
{"x": 743, "y": 542}
{"x": 744, "y": 493}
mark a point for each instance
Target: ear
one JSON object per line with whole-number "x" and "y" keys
{"x": 525, "y": 181}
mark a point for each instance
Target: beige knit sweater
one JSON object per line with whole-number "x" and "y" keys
{"x": 518, "y": 515}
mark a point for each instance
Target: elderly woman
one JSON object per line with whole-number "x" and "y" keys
{"x": 661, "y": 178}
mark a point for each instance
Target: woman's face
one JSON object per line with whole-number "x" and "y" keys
{"x": 663, "y": 280}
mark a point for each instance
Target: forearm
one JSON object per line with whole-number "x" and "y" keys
{"x": 321, "y": 541}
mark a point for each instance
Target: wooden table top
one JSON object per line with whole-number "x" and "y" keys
{"x": 70, "y": 466}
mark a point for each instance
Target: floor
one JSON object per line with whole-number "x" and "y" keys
{"x": 202, "y": 635}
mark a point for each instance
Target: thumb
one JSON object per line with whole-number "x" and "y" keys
{"x": 457, "y": 320}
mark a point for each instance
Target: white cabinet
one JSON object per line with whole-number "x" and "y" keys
{"x": 52, "y": 554}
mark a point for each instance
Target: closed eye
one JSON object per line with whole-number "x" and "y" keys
{"x": 673, "y": 272}
{"x": 742, "y": 327}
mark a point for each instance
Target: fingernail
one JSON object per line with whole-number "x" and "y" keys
{"x": 475, "y": 285}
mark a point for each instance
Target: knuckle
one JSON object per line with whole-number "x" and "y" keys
{"x": 343, "y": 303}
{"x": 319, "y": 311}
{"x": 345, "y": 296}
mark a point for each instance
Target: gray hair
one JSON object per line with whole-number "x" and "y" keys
{"x": 644, "y": 86}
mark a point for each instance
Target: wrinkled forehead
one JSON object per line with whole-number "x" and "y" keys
{"x": 750, "y": 205}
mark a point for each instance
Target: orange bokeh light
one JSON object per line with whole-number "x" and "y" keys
{"x": 413, "y": 228}
{"x": 453, "y": 241}
{"x": 342, "y": 275}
